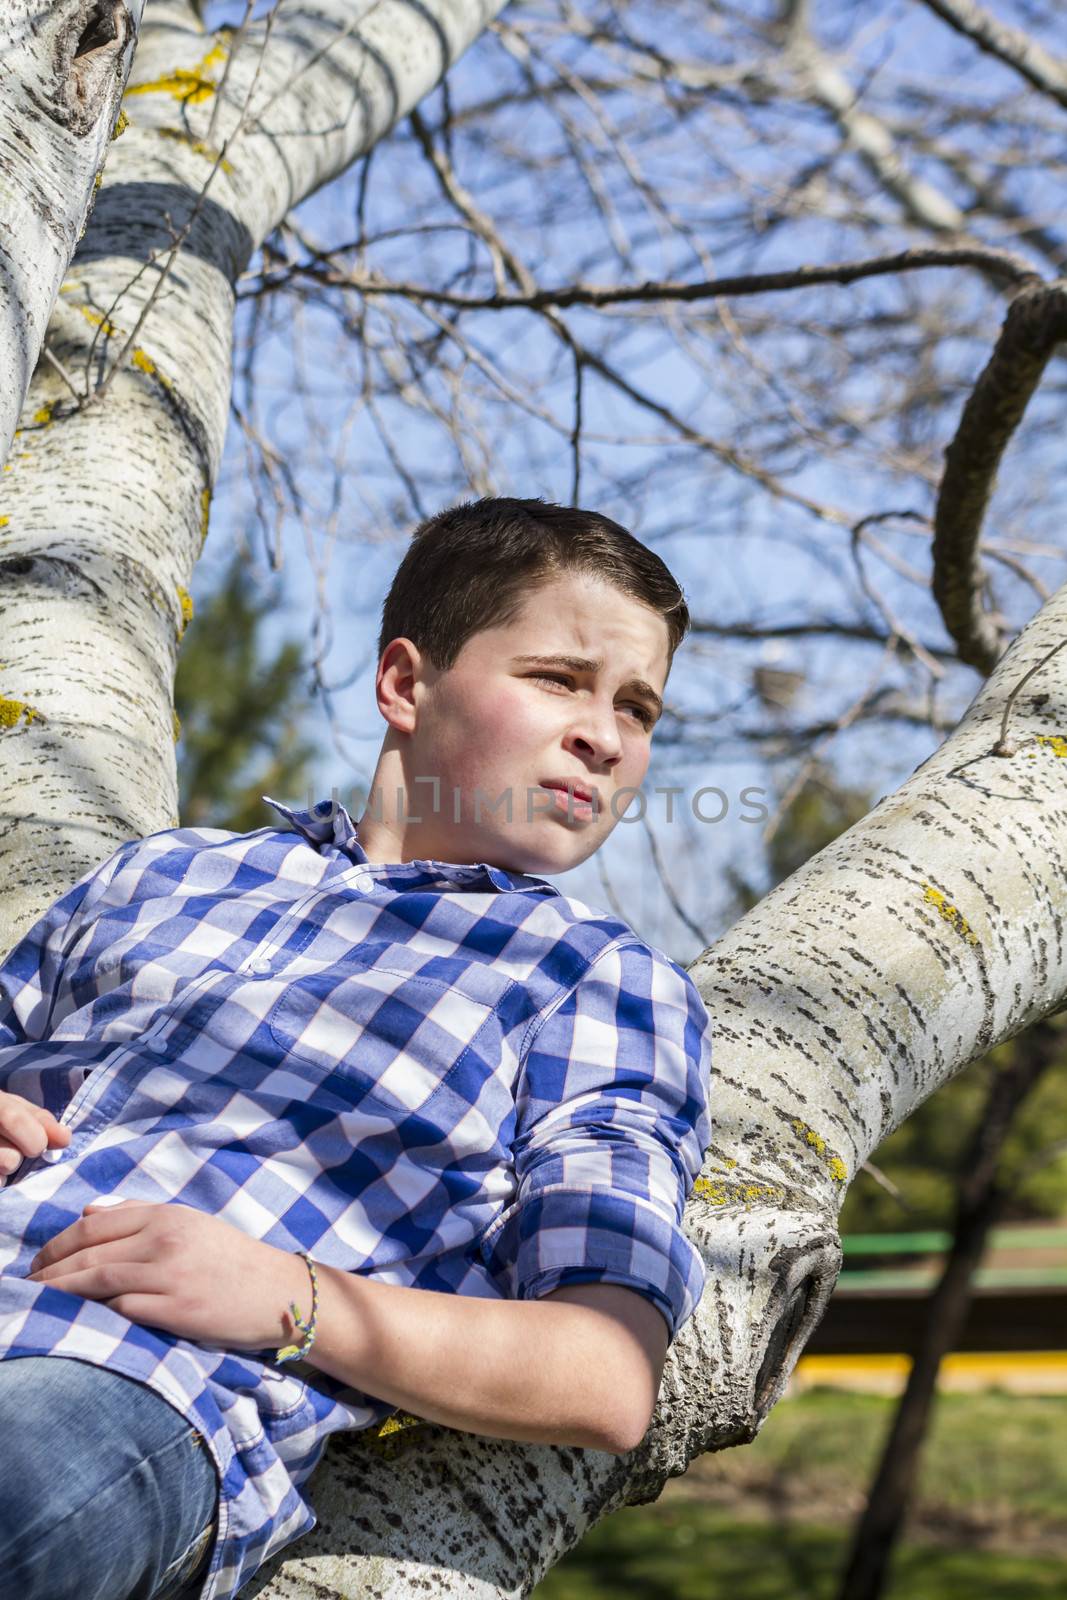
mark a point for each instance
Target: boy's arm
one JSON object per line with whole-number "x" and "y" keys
{"x": 612, "y": 1125}
{"x": 580, "y": 1367}
{"x": 611, "y": 1128}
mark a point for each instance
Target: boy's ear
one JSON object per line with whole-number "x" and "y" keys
{"x": 399, "y": 670}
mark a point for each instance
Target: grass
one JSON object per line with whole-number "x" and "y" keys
{"x": 697, "y": 1552}
{"x": 988, "y": 1456}
{"x": 772, "y": 1521}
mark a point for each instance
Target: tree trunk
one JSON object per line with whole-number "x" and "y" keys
{"x": 62, "y": 70}
{"x": 979, "y": 1204}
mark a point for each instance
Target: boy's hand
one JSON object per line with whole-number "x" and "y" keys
{"x": 26, "y": 1130}
{"x": 170, "y": 1266}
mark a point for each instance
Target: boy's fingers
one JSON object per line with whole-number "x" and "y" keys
{"x": 108, "y": 1255}
{"x": 27, "y": 1130}
{"x": 102, "y": 1279}
{"x": 93, "y": 1229}
{"x": 56, "y": 1131}
{"x": 20, "y": 1128}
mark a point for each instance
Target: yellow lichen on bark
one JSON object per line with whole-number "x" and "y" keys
{"x": 1056, "y": 742}
{"x": 205, "y": 514}
{"x": 398, "y": 1420}
{"x": 949, "y": 913}
{"x": 835, "y": 1166}
{"x": 721, "y": 1191}
{"x": 185, "y": 601}
{"x": 189, "y": 85}
{"x": 816, "y": 1140}
{"x": 12, "y": 712}
{"x": 393, "y": 1436}
{"x": 98, "y": 320}
{"x": 144, "y": 363}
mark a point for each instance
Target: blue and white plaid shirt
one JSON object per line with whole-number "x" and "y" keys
{"x": 452, "y": 1077}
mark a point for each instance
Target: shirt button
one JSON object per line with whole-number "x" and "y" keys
{"x": 364, "y": 884}
{"x": 158, "y": 1047}
{"x": 260, "y": 964}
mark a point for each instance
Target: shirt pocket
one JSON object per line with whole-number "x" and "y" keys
{"x": 394, "y": 1040}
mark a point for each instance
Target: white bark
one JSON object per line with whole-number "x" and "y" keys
{"x": 103, "y": 512}
{"x": 62, "y": 70}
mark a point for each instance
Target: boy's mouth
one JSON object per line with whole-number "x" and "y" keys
{"x": 578, "y": 799}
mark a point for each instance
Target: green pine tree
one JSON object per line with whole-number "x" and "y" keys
{"x": 240, "y": 714}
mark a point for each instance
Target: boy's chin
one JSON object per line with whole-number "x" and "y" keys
{"x": 540, "y": 858}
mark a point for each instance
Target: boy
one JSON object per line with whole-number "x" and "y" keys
{"x": 373, "y": 1097}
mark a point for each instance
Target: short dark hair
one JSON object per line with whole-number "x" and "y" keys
{"x": 473, "y": 566}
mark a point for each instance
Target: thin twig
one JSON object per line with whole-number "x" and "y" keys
{"x": 608, "y": 888}
{"x": 1014, "y": 269}
{"x": 54, "y": 361}
{"x": 100, "y": 392}
{"x": 845, "y": 720}
{"x": 242, "y": 28}
{"x": 885, "y": 1183}
{"x": 668, "y": 888}
{"x": 1003, "y": 746}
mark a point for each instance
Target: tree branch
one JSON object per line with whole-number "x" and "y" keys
{"x": 1012, "y": 46}
{"x": 1006, "y": 265}
{"x": 1035, "y": 323}
{"x": 826, "y": 627}
{"x": 827, "y": 86}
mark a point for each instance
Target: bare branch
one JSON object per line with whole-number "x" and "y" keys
{"x": 816, "y": 628}
{"x": 1006, "y": 265}
{"x": 668, "y": 887}
{"x": 1016, "y": 49}
{"x": 827, "y": 86}
{"x": 1036, "y": 322}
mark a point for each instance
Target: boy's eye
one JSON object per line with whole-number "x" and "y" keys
{"x": 644, "y": 716}
{"x": 642, "y": 713}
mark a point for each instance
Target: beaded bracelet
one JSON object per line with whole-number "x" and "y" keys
{"x": 290, "y": 1352}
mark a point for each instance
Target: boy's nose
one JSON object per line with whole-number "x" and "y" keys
{"x": 596, "y": 739}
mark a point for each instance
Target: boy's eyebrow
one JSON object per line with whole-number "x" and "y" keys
{"x": 588, "y": 664}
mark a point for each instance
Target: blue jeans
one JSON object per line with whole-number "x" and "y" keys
{"x": 106, "y": 1492}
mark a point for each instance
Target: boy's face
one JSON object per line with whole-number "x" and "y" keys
{"x": 509, "y": 720}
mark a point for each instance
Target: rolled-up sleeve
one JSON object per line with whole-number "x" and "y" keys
{"x": 612, "y": 1123}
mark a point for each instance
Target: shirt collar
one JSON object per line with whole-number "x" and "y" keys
{"x": 328, "y": 823}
